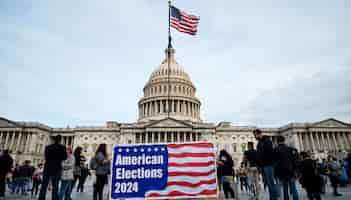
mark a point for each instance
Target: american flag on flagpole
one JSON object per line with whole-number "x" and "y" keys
{"x": 191, "y": 172}
{"x": 183, "y": 22}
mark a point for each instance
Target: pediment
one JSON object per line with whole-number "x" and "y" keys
{"x": 332, "y": 123}
{"x": 168, "y": 123}
{"x": 5, "y": 123}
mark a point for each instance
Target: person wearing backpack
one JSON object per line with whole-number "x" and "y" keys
{"x": 286, "y": 168}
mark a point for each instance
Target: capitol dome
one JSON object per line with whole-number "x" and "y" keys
{"x": 182, "y": 102}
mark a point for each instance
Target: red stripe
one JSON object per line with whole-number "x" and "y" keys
{"x": 183, "y": 30}
{"x": 189, "y": 16}
{"x": 189, "y": 20}
{"x": 191, "y": 164}
{"x": 177, "y": 193}
{"x": 190, "y": 25}
{"x": 195, "y": 174}
{"x": 180, "y": 26}
{"x": 191, "y": 185}
{"x": 188, "y": 154}
{"x": 202, "y": 145}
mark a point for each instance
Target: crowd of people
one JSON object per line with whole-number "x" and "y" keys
{"x": 62, "y": 171}
{"x": 278, "y": 169}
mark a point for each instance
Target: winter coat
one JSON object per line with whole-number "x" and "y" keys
{"x": 265, "y": 152}
{"x": 54, "y": 155}
{"x": 67, "y": 168}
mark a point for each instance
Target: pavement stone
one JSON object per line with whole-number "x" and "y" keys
{"x": 87, "y": 195}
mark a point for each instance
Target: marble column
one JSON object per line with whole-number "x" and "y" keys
{"x": 300, "y": 141}
{"x": 335, "y": 142}
{"x": 178, "y": 106}
{"x": 6, "y": 140}
{"x": 340, "y": 140}
{"x": 12, "y": 135}
{"x": 1, "y": 140}
{"x": 347, "y": 144}
{"x": 319, "y": 147}
{"x": 313, "y": 147}
{"x": 329, "y": 142}
{"x": 167, "y": 106}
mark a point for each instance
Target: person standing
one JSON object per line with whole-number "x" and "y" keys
{"x": 25, "y": 173}
{"x": 225, "y": 167}
{"x": 67, "y": 176}
{"x": 83, "y": 176}
{"x": 54, "y": 155}
{"x": 334, "y": 173}
{"x": 265, "y": 162}
{"x": 37, "y": 179}
{"x": 286, "y": 168}
{"x": 250, "y": 156}
{"x": 101, "y": 164}
{"x": 79, "y": 162}
{"x": 6, "y": 165}
{"x": 310, "y": 178}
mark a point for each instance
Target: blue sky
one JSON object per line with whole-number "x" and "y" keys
{"x": 260, "y": 62}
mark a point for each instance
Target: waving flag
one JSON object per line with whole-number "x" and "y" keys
{"x": 183, "y": 22}
{"x": 155, "y": 171}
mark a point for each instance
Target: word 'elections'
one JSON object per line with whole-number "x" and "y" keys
{"x": 140, "y": 173}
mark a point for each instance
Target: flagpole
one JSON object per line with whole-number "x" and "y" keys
{"x": 168, "y": 58}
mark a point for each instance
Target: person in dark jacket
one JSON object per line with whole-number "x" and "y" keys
{"x": 286, "y": 168}
{"x": 334, "y": 169}
{"x": 310, "y": 179}
{"x": 83, "y": 176}
{"x": 25, "y": 173}
{"x": 54, "y": 155}
{"x": 250, "y": 157}
{"x": 225, "y": 169}
{"x": 6, "y": 165}
{"x": 265, "y": 162}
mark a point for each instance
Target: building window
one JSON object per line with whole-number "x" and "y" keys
{"x": 137, "y": 138}
{"x": 143, "y": 138}
{"x": 149, "y": 137}
{"x": 243, "y": 147}
{"x": 169, "y": 138}
{"x": 188, "y": 137}
{"x": 181, "y": 138}
{"x": 234, "y": 147}
{"x": 194, "y": 137}
{"x": 162, "y": 137}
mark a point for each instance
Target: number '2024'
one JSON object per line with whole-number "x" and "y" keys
{"x": 126, "y": 187}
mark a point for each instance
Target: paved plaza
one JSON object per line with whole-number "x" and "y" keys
{"x": 87, "y": 195}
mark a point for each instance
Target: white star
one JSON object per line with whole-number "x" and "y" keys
{"x": 142, "y": 150}
{"x": 162, "y": 149}
{"x": 135, "y": 150}
{"x": 149, "y": 149}
{"x": 156, "y": 149}
{"x": 119, "y": 150}
{"x": 127, "y": 150}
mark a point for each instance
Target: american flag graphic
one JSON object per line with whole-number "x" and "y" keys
{"x": 191, "y": 172}
{"x": 184, "y": 22}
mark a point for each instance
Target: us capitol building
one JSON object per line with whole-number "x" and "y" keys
{"x": 27, "y": 140}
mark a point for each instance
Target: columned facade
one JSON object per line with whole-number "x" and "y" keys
{"x": 169, "y": 90}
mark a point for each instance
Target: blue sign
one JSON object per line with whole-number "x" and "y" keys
{"x": 137, "y": 169}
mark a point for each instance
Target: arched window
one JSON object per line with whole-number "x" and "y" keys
{"x": 234, "y": 147}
